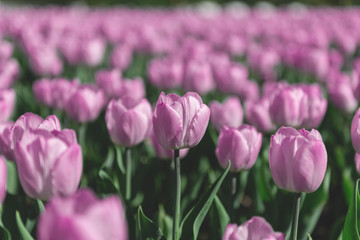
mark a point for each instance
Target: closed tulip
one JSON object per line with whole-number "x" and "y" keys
{"x": 3, "y": 179}
{"x": 134, "y": 88}
{"x": 166, "y": 73}
{"x": 110, "y": 81}
{"x": 121, "y": 57}
{"x": 198, "y": 77}
{"x": 239, "y": 145}
{"x": 255, "y": 229}
{"x": 258, "y": 114}
{"x": 128, "y": 120}
{"x": 297, "y": 159}
{"x": 180, "y": 122}
{"x": 49, "y": 163}
{"x": 83, "y": 216}
{"x": 42, "y": 90}
{"x": 7, "y": 104}
{"x": 355, "y": 131}
{"x": 230, "y": 113}
{"x": 357, "y": 162}
{"x": 12, "y": 133}
{"x": 85, "y": 104}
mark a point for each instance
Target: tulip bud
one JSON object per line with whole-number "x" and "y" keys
{"x": 289, "y": 107}
{"x": 121, "y": 57}
{"x": 110, "y": 82}
{"x": 3, "y": 179}
{"x": 83, "y": 216}
{"x": 49, "y": 163}
{"x": 9, "y": 71}
{"x": 297, "y": 159}
{"x": 239, "y": 145}
{"x": 134, "y": 88}
{"x": 258, "y": 114}
{"x": 255, "y": 229}
{"x": 7, "y": 104}
{"x": 85, "y": 104}
{"x": 198, "y": 77}
{"x": 128, "y": 120}
{"x": 12, "y": 133}
{"x": 166, "y": 73}
{"x": 355, "y": 132}
{"x": 357, "y": 162}
{"x": 180, "y": 122}
{"x": 92, "y": 51}
{"x": 42, "y": 90}
{"x": 230, "y": 113}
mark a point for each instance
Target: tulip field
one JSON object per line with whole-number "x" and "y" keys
{"x": 230, "y": 123}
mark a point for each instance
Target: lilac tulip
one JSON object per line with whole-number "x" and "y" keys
{"x": 62, "y": 90}
{"x": 258, "y": 114}
{"x": 355, "y": 131}
{"x": 11, "y": 133}
{"x": 198, "y": 77}
{"x": 128, "y": 120}
{"x": 49, "y": 163}
{"x": 134, "y": 88}
{"x": 230, "y": 77}
{"x": 289, "y": 107}
{"x": 110, "y": 81}
{"x": 297, "y": 159}
{"x": 7, "y": 104}
{"x": 121, "y": 57}
{"x": 357, "y": 162}
{"x": 255, "y": 229}
{"x": 230, "y": 113}
{"x": 166, "y": 73}
{"x": 239, "y": 145}
{"x": 180, "y": 122}
{"x": 42, "y": 90}
{"x": 85, "y": 103}
{"x": 9, "y": 71}
{"x": 92, "y": 51}
{"x": 3, "y": 179}
{"x": 164, "y": 153}
{"x": 83, "y": 216}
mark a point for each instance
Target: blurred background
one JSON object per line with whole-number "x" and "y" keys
{"x": 170, "y": 3}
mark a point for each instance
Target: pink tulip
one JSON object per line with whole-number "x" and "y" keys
{"x": 357, "y": 162}
{"x": 355, "y": 131}
{"x": 297, "y": 159}
{"x": 239, "y": 145}
{"x": 230, "y": 113}
{"x": 7, "y": 104}
{"x": 255, "y": 229}
{"x": 180, "y": 122}
{"x": 110, "y": 81}
{"x": 3, "y": 179}
{"x": 85, "y": 103}
{"x": 49, "y": 163}
{"x": 164, "y": 153}
{"x": 9, "y": 71}
{"x": 92, "y": 51}
{"x": 121, "y": 57}
{"x": 128, "y": 120}
{"x": 12, "y": 133}
{"x": 166, "y": 73}
{"x": 42, "y": 90}
{"x": 258, "y": 114}
{"x": 83, "y": 216}
{"x": 198, "y": 77}
{"x": 134, "y": 88}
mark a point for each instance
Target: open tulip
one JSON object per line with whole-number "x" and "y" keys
{"x": 297, "y": 159}
{"x": 230, "y": 113}
{"x": 239, "y": 145}
{"x": 128, "y": 120}
{"x": 49, "y": 163}
{"x": 180, "y": 122}
{"x": 355, "y": 131}
{"x": 83, "y": 217}
{"x": 255, "y": 229}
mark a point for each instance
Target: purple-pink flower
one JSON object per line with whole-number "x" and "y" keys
{"x": 3, "y": 179}
{"x": 229, "y": 113}
{"x": 83, "y": 216}
{"x": 297, "y": 159}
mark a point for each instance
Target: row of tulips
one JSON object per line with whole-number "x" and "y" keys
{"x": 93, "y": 69}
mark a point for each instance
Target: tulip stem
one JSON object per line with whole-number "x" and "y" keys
{"x": 295, "y": 217}
{"x": 82, "y": 137}
{"x": 233, "y": 195}
{"x": 128, "y": 174}
{"x": 177, "y": 178}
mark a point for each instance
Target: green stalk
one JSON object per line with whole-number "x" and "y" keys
{"x": 295, "y": 217}
{"x": 176, "y": 230}
{"x": 233, "y": 195}
{"x": 128, "y": 174}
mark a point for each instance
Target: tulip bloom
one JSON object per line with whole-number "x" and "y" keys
{"x": 85, "y": 104}
{"x": 166, "y": 73}
{"x": 257, "y": 114}
{"x": 164, "y": 153}
{"x": 357, "y": 162}
{"x": 3, "y": 179}
{"x": 355, "y": 131}
{"x": 110, "y": 82}
{"x": 297, "y": 159}
{"x": 230, "y": 113}
{"x": 49, "y": 163}
{"x": 198, "y": 77}
{"x": 239, "y": 145}
{"x": 83, "y": 216}
{"x": 12, "y": 133}
{"x": 255, "y": 229}
{"x": 128, "y": 120}
{"x": 7, "y": 104}
{"x": 180, "y": 122}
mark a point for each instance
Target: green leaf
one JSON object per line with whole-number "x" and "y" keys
{"x": 148, "y": 230}
{"x": 108, "y": 183}
{"x": 119, "y": 159}
{"x": 351, "y": 227}
{"x": 12, "y": 185}
{"x": 40, "y": 206}
{"x": 191, "y": 224}
{"x": 109, "y": 159}
{"x": 4, "y": 233}
{"x": 219, "y": 218}
{"x": 309, "y": 237}
{"x": 22, "y": 229}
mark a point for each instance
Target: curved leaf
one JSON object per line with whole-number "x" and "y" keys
{"x": 351, "y": 227}
{"x": 22, "y": 229}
